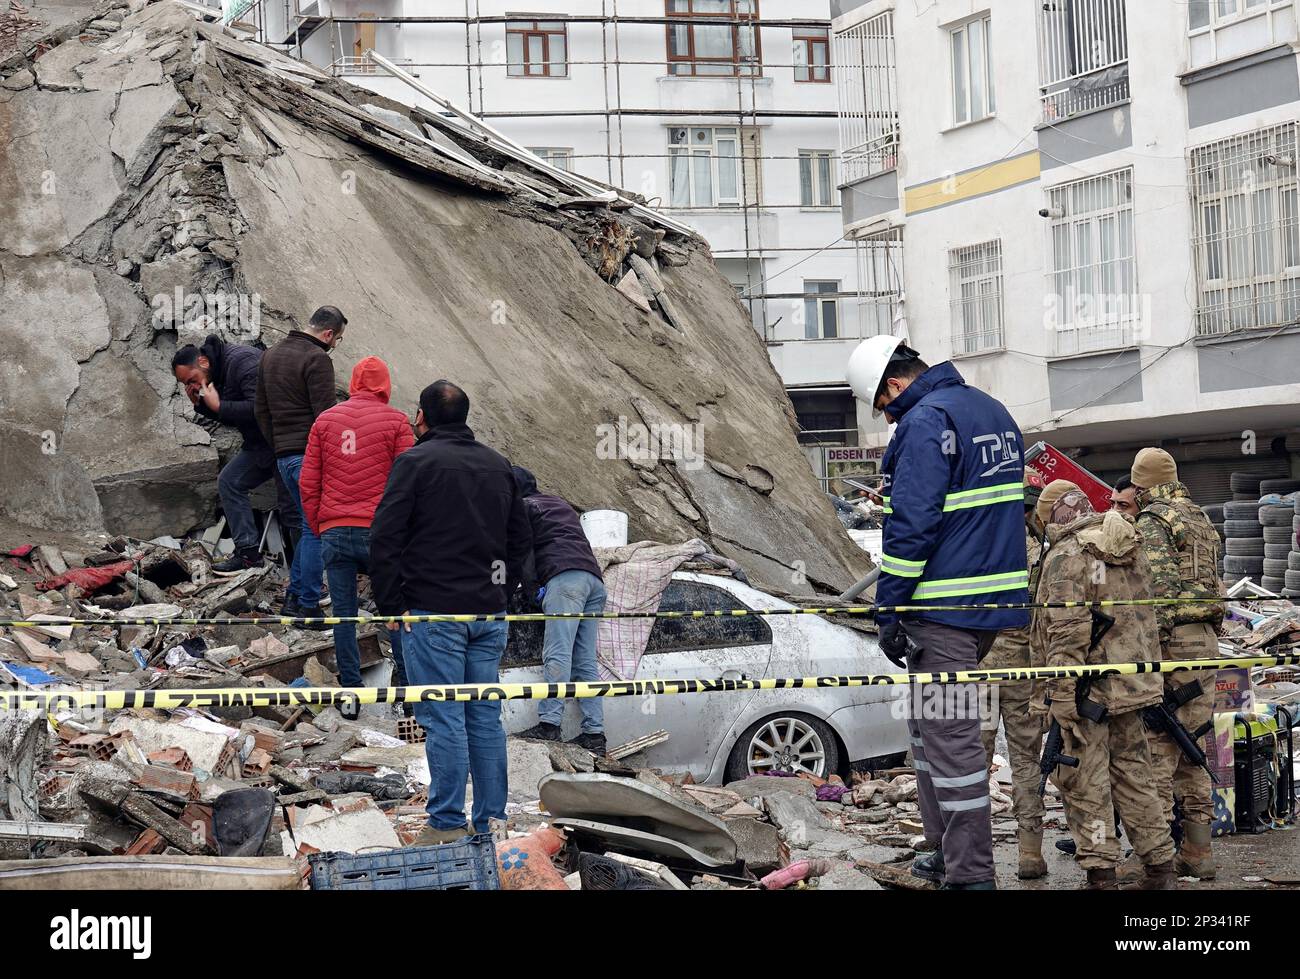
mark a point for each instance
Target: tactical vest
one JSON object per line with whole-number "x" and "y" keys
{"x": 1197, "y": 545}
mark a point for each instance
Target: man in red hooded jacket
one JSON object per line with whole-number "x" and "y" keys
{"x": 350, "y": 450}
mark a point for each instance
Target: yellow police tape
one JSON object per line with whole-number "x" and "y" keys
{"x": 52, "y": 701}
{"x": 868, "y": 610}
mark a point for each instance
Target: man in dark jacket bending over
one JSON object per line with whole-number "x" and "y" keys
{"x": 571, "y": 582}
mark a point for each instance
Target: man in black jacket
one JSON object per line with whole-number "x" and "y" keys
{"x": 448, "y": 537}
{"x": 571, "y": 582}
{"x": 295, "y": 384}
{"x": 220, "y": 379}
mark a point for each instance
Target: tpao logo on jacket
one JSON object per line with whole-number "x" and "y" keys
{"x": 1000, "y": 452}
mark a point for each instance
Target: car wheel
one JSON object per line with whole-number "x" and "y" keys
{"x": 788, "y": 742}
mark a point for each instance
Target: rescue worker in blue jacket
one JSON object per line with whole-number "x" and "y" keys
{"x": 954, "y": 535}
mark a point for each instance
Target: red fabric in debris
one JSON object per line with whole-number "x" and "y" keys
{"x": 22, "y": 550}
{"x": 87, "y": 579}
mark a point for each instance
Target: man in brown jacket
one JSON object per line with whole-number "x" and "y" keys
{"x": 294, "y": 385}
{"x": 1094, "y": 557}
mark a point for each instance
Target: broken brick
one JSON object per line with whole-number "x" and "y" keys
{"x": 171, "y": 758}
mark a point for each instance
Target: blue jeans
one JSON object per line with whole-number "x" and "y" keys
{"x": 241, "y": 475}
{"x": 461, "y": 737}
{"x": 307, "y": 571}
{"x": 346, "y": 551}
{"x": 569, "y": 649}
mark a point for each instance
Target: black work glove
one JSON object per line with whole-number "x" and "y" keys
{"x": 893, "y": 643}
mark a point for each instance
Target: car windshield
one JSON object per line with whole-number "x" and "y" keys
{"x": 524, "y": 647}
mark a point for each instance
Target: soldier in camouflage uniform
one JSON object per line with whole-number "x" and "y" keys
{"x": 1183, "y": 550}
{"x": 1094, "y": 557}
{"x": 1024, "y": 730}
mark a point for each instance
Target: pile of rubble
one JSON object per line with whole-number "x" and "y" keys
{"x": 148, "y": 781}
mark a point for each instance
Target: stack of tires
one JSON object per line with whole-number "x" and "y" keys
{"x": 1292, "y": 576}
{"x": 1277, "y": 521}
{"x": 1243, "y": 545}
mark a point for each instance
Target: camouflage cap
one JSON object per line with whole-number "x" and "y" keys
{"x": 1153, "y": 467}
{"x": 1052, "y": 492}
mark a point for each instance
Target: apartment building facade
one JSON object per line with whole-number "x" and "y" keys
{"x": 722, "y": 113}
{"x": 1096, "y": 205}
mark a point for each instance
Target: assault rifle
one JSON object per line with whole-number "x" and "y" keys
{"x": 1162, "y": 718}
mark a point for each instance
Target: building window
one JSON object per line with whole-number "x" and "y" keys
{"x": 972, "y": 72}
{"x": 560, "y": 157}
{"x": 1247, "y": 231}
{"x": 975, "y": 274}
{"x": 867, "y": 83}
{"x": 537, "y": 48}
{"x": 824, "y": 428}
{"x": 1222, "y": 29}
{"x": 1093, "y": 277}
{"x": 821, "y": 313}
{"x": 1082, "y": 55}
{"x": 816, "y": 185}
{"x": 709, "y": 168}
{"x": 812, "y": 54}
{"x": 716, "y": 39}
{"x": 880, "y": 283}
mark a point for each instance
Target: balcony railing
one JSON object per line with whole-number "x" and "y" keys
{"x": 867, "y": 78}
{"x": 1082, "y": 55}
{"x": 363, "y": 66}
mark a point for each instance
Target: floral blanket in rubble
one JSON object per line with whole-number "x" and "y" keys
{"x": 635, "y": 578}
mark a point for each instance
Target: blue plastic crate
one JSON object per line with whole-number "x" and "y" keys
{"x": 467, "y": 865}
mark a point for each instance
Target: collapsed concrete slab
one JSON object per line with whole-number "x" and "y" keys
{"x": 166, "y": 180}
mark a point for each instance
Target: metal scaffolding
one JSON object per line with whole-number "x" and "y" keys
{"x": 745, "y": 68}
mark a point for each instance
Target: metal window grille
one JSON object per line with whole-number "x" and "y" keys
{"x": 975, "y": 275}
{"x": 1246, "y": 232}
{"x": 880, "y": 283}
{"x": 866, "y": 76}
{"x": 1092, "y": 285}
{"x": 1082, "y": 55}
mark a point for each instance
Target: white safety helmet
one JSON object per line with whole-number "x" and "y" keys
{"x": 867, "y": 366}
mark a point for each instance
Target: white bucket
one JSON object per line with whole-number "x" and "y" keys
{"x": 605, "y": 528}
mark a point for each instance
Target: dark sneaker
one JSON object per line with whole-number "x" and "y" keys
{"x": 238, "y": 563}
{"x": 929, "y": 867}
{"x": 541, "y": 732}
{"x": 595, "y": 743}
